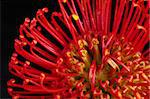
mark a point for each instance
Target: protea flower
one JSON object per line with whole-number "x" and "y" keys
{"x": 90, "y": 49}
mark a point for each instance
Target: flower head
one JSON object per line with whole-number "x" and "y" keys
{"x": 90, "y": 49}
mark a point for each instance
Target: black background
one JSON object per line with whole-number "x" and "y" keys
{"x": 13, "y": 13}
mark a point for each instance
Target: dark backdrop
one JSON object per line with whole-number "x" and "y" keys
{"x": 13, "y": 13}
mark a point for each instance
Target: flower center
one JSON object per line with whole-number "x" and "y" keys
{"x": 92, "y": 61}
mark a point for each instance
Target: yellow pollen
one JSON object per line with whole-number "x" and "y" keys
{"x": 141, "y": 27}
{"x": 138, "y": 96}
{"x": 82, "y": 43}
{"x": 43, "y": 75}
{"x": 24, "y": 43}
{"x": 119, "y": 94}
{"x": 107, "y": 52}
{"x": 119, "y": 80}
{"x": 34, "y": 41}
{"x": 95, "y": 41}
{"x": 69, "y": 54}
{"x": 81, "y": 64}
{"x": 75, "y": 17}
{"x": 136, "y": 5}
{"x": 132, "y": 88}
{"x": 84, "y": 52}
{"x": 21, "y": 36}
{"x": 137, "y": 55}
{"x": 27, "y": 62}
{"x": 145, "y": 77}
{"x": 73, "y": 60}
{"x": 136, "y": 66}
{"x": 113, "y": 64}
{"x": 16, "y": 62}
{"x": 71, "y": 79}
{"x": 142, "y": 63}
{"x": 135, "y": 80}
{"x": 147, "y": 67}
{"x": 27, "y": 80}
{"x": 13, "y": 81}
{"x": 64, "y": 1}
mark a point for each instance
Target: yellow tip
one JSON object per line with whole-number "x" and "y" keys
{"x": 82, "y": 43}
{"x": 75, "y": 17}
{"x": 119, "y": 94}
{"x": 27, "y": 62}
{"x": 95, "y": 41}
{"x": 43, "y": 75}
{"x": 21, "y": 36}
{"x": 84, "y": 52}
{"x": 113, "y": 64}
{"x": 64, "y": 1}
{"x": 69, "y": 54}
{"x": 34, "y": 41}
{"x": 27, "y": 80}
{"x": 138, "y": 96}
{"x": 16, "y": 62}
{"x": 107, "y": 52}
{"x": 24, "y": 43}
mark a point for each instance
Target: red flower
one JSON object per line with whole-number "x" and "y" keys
{"x": 87, "y": 50}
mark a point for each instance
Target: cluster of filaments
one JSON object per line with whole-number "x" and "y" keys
{"x": 116, "y": 73}
{"x": 74, "y": 57}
